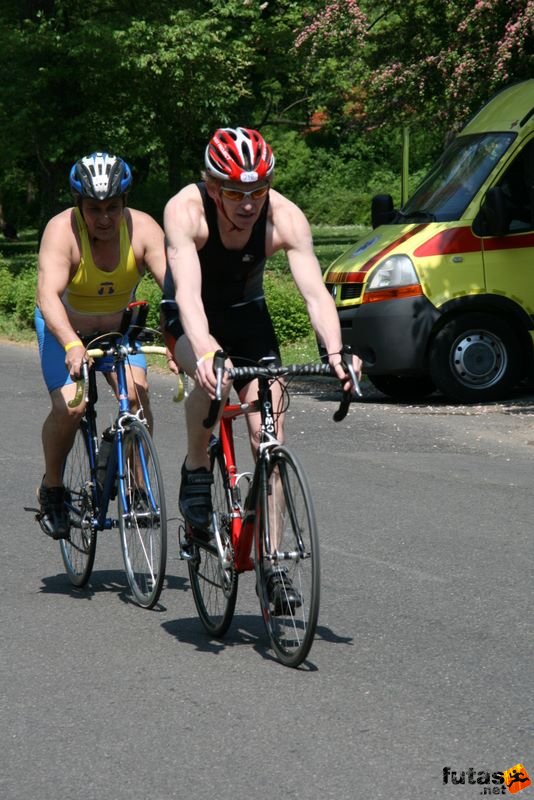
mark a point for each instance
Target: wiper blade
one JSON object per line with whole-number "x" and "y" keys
{"x": 420, "y": 214}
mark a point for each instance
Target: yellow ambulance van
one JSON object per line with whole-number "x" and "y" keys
{"x": 441, "y": 293}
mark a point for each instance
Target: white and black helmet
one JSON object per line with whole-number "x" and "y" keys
{"x": 100, "y": 176}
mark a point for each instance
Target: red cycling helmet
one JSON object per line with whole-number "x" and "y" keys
{"x": 238, "y": 154}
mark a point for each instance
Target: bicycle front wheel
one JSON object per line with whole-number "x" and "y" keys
{"x": 78, "y": 551}
{"x": 142, "y": 515}
{"x": 213, "y": 578}
{"x": 287, "y": 559}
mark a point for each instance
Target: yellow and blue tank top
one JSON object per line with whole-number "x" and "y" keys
{"x": 95, "y": 291}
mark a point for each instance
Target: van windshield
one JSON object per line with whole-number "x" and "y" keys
{"x": 456, "y": 177}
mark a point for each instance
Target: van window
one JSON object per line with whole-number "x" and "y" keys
{"x": 456, "y": 177}
{"x": 517, "y": 185}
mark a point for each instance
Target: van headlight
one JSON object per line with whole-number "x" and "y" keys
{"x": 394, "y": 271}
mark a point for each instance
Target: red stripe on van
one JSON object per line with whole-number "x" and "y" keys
{"x": 509, "y": 242}
{"x": 346, "y": 277}
{"x": 379, "y": 256}
{"x": 462, "y": 240}
{"x": 454, "y": 240}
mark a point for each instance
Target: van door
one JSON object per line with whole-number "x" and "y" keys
{"x": 509, "y": 259}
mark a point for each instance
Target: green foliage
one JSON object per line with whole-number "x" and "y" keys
{"x": 7, "y": 294}
{"x": 301, "y": 351}
{"x": 149, "y": 290}
{"x": 153, "y": 80}
{"x": 363, "y": 73}
{"x": 287, "y": 308}
{"x": 17, "y": 293}
{"x": 334, "y": 183}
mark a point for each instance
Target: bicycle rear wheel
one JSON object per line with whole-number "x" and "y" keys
{"x": 214, "y": 581}
{"x": 142, "y": 515}
{"x": 288, "y": 569}
{"x": 78, "y": 551}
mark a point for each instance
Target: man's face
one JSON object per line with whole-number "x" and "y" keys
{"x": 243, "y": 202}
{"x": 102, "y": 217}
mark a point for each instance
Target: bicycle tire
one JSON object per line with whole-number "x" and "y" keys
{"x": 214, "y": 584}
{"x": 287, "y": 516}
{"x": 78, "y": 551}
{"x": 142, "y": 515}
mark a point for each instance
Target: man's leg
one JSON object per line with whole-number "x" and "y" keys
{"x": 59, "y": 430}
{"x": 196, "y": 478}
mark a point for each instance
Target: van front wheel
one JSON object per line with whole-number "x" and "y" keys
{"x": 474, "y": 358}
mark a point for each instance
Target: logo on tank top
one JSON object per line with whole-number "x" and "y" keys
{"x": 247, "y": 258}
{"x": 106, "y": 287}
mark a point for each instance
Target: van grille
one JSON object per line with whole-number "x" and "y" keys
{"x": 345, "y": 291}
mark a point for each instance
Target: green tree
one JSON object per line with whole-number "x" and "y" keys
{"x": 383, "y": 63}
{"x": 149, "y": 80}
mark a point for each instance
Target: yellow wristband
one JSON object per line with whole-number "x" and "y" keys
{"x": 70, "y": 345}
{"x": 204, "y": 357}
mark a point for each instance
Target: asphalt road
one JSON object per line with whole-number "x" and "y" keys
{"x": 423, "y": 658}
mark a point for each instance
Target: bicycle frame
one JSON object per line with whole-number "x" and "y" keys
{"x": 115, "y": 467}
{"x": 244, "y": 513}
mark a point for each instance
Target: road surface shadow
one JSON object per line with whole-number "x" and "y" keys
{"x": 112, "y": 581}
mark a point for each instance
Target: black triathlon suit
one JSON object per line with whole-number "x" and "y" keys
{"x": 232, "y": 293}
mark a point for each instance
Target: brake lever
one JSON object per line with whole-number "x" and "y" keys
{"x": 218, "y": 367}
{"x": 346, "y": 359}
{"x": 82, "y": 387}
{"x": 342, "y": 411}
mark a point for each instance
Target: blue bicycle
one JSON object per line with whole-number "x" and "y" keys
{"x": 120, "y": 464}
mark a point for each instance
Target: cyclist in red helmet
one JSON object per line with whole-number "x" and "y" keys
{"x": 91, "y": 258}
{"x": 219, "y": 233}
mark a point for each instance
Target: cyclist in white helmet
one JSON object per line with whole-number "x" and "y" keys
{"x": 91, "y": 258}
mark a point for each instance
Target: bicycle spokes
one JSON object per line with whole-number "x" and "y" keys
{"x": 142, "y": 515}
{"x": 78, "y": 551}
{"x": 288, "y": 560}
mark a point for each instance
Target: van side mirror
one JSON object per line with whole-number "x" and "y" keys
{"x": 382, "y": 211}
{"x": 494, "y": 213}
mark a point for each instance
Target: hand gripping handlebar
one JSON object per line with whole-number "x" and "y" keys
{"x": 268, "y": 371}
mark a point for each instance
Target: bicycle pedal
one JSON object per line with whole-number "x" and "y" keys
{"x": 185, "y": 553}
{"x": 185, "y": 545}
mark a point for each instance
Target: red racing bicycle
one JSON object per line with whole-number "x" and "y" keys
{"x": 262, "y": 520}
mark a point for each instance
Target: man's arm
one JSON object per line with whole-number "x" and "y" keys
{"x": 54, "y": 267}
{"x": 292, "y": 227}
{"x": 154, "y": 245}
{"x": 183, "y": 233}
{"x": 53, "y": 277}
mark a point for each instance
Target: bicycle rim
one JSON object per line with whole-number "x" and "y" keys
{"x": 142, "y": 516}
{"x": 214, "y": 583}
{"x": 289, "y": 520}
{"x": 78, "y": 551}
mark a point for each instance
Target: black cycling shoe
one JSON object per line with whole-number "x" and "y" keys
{"x": 282, "y": 594}
{"x": 53, "y": 516}
{"x": 195, "y": 497}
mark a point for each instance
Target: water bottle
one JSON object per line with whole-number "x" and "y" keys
{"x": 104, "y": 452}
